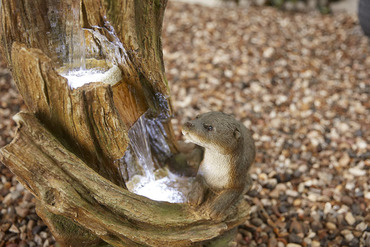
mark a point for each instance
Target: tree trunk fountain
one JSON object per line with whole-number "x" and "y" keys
{"x": 71, "y": 147}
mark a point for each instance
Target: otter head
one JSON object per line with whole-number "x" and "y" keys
{"x": 215, "y": 131}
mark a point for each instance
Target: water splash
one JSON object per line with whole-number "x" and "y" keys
{"x": 170, "y": 188}
{"x": 80, "y": 77}
{"x": 150, "y": 181}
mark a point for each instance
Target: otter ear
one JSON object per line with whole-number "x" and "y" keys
{"x": 237, "y": 134}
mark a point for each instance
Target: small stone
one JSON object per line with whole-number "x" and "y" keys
{"x": 8, "y": 199}
{"x": 344, "y": 160}
{"x": 313, "y": 197}
{"x": 23, "y": 243}
{"x": 275, "y": 193}
{"x": 19, "y": 187}
{"x": 349, "y": 237}
{"x": 293, "y": 238}
{"x": 331, "y": 226}
{"x": 30, "y": 225}
{"x": 281, "y": 187}
{"x": 257, "y": 222}
{"x": 14, "y": 229}
{"x": 38, "y": 240}
{"x": 301, "y": 187}
{"x": 292, "y": 193}
{"x": 346, "y": 200}
{"x": 295, "y": 227}
{"x": 16, "y": 194}
{"x": 297, "y": 202}
{"x": 293, "y": 245}
{"x": 316, "y": 226}
{"x": 356, "y": 209}
{"x": 280, "y": 244}
{"x": 43, "y": 235}
{"x": 4, "y": 227}
{"x": 354, "y": 242}
{"x": 315, "y": 243}
{"x": 271, "y": 183}
{"x": 361, "y": 226}
{"x": 268, "y": 52}
{"x": 367, "y": 195}
{"x": 46, "y": 243}
{"x": 23, "y": 236}
{"x": 21, "y": 211}
{"x": 239, "y": 237}
{"x": 27, "y": 196}
{"x": 272, "y": 242}
{"x": 327, "y": 208}
{"x": 356, "y": 171}
{"x": 350, "y": 219}
{"x": 283, "y": 208}
{"x": 38, "y": 229}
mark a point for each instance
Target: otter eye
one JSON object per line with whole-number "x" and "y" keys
{"x": 208, "y": 127}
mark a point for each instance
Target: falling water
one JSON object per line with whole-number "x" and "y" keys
{"x": 139, "y": 141}
{"x": 157, "y": 184}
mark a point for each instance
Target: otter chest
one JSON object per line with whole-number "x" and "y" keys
{"x": 215, "y": 169}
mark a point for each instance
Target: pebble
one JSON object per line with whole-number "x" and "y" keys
{"x": 315, "y": 244}
{"x": 293, "y": 238}
{"x": 362, "y": 226}
{"x": 349, "y": 237}
{"x": 350, "y": 219}
{"x": 347, "y": 200}
{"x": 292, "y": 193}
{"x": 13, "y": 229}
{"x": 272, "y": 242}
{"x": 8, "y": 199}
{"x": 331, "y": 226}
{"x": 293, "y": 245}
{"x": 357, "y": 172}
{"x": 21, "y": 211}
{"x": 257, "y": 222}
{"x": 367, "y": 195}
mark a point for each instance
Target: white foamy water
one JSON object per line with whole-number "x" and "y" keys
{"x": 78, "y": 78}
{"x": 172, "y": 188}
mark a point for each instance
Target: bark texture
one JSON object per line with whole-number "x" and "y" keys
{"x": 68, "y": 143}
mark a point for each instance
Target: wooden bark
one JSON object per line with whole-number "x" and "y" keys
{"x": 68, "y": 143}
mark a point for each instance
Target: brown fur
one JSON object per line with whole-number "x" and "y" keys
{"x": 229, "y": 153}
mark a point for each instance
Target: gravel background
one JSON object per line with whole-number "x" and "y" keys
{"x": 301, "y": 82}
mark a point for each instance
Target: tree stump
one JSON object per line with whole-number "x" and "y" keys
{"x": 68, "y": 145}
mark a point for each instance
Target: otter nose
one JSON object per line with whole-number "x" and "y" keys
{"x": 188, "y": 124}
